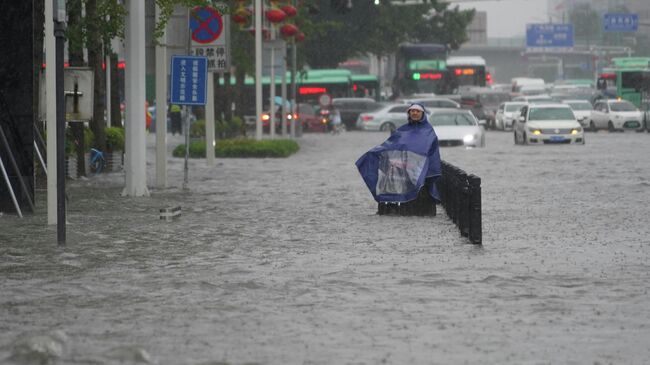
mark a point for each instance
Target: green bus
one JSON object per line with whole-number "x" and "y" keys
{"x": 626, "y": 78}
{"x": 366, "y": 86}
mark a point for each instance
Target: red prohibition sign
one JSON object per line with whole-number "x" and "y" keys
{"x": 206, "y": 24}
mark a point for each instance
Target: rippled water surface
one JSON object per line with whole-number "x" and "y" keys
{"x": 284, "y": 261}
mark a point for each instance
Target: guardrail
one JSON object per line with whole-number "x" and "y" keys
{"x": 460, "y": 194}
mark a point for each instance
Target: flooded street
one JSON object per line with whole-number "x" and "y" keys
{"x": 284, "y": 261}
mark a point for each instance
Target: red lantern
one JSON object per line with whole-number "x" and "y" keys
{"x": 241, "y": 15}
{"x": 300, "y": 37}
{"x": 290, "y": 10}
{"x": 275, "y": 15}
{"x": 288, "y": 30}
{"x": 266, "y": 34}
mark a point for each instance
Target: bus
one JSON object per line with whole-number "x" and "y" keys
{"x": 311, "y": 84}
{"x": 467, "y": 71}
{"x": 366, "y": 86}
{"x": 626, "y": 78}
{"x": 421, "y": 69}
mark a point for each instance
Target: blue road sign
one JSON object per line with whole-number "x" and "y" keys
{"x": 206, "y": 24}
{"x": 189, "y": 80}
{"x": 620, "y": 22}
{"x": 549, "y": 35}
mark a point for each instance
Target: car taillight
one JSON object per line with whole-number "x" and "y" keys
{"x": 366, "y": 118}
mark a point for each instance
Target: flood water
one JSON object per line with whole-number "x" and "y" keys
{"x": 284, "y": 261}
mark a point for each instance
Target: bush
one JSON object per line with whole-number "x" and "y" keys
{"x": 197, "y": 129}
{"x": 242, "y": 148}
{"x": 114, "y": 139}
{"x": 227, "y": 129}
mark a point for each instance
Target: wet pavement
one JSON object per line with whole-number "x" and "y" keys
{"x": 284, "y": 261}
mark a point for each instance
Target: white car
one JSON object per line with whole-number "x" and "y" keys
{"x": 457, "y": 127}
{"x": 506, "y": 114}
{"x": 387, "y": 118}
{"x": 614, "y": 114}
{"x": 548, "y": 124}
{"x": 581, "y": 109}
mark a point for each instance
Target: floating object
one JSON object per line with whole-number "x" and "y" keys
{"x": 168, "y": 214}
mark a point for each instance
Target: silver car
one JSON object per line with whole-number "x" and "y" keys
{"x": 457, "y": 127}
{"x": 615, "y": 115}
{"x": 506, "y": 114}
{"x": 581, "y": 109}
{"x": 387, "y": 118}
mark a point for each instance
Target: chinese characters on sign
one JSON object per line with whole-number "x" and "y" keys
{"x": 549, "y": 37}
{"x": 188, "y": 80}
{"x": 216, "y": 56}
{"x": 618, "y": 22}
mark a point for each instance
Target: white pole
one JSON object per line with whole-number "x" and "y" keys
{"x": 50, "y": 96}
{"x": 209, "y": 121}
{"x": 135, "y": 154}
{"x": 161, "y": 108}
{"x": 272, "y": 87}
{"x": 258, "y": 69}
{"x": 283, "y": 91}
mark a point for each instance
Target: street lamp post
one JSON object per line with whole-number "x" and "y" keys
{"x": 59, "y": 34}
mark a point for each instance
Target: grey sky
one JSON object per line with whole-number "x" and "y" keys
{"x": 508, "y": 18}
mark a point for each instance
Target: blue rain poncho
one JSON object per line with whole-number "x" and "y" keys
{"x": 396, "y": 170}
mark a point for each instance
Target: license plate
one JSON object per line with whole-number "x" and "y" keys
{"x": 557, "y": 138}
{"x": 632, "y": 124}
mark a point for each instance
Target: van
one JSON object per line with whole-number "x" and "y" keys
{"x": 519, "y": 83}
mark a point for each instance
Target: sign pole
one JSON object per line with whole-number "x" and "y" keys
{"x": 59, "y": 34}
{"x": 209, "y": 122}
{"x": 258, "y": 69}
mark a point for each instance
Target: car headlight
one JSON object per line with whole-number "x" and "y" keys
{"x": 576, "y": 130}
{"x": 469, "y": 138}
{"x": 535, "y": 131}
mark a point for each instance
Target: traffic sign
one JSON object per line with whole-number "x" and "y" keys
{"x": 210, "y": 37}
{"x": 189, "y": 80}
{"x": 620, "y": 22}
{"x": 206, "y": 24}
{"x": 549, "y": 37}
{"x": 325, "y": 100}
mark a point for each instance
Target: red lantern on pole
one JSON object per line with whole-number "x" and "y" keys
{"x": 290, "y": 10}
{"x": 241, "y": 16}
{"x": 275, "y": 15}
{"x": 300, "y": 36}
{"x": 288, "y": 30}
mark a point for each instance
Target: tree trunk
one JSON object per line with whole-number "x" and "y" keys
{"x": 38, "y": 29}
{"x": 95, "y": 61}
{"x": 74, "y": 33}
{"x": 240, "y": 78}
{"x": 227, "y": 97}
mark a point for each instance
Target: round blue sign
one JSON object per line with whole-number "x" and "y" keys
{"x": 206, "y": 24}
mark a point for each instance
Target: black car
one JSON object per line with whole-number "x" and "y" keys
{"x": 350, "y": 109}
{"x": 483, "y": 103}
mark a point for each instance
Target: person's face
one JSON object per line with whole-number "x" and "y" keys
{"x": 415, "y": 114}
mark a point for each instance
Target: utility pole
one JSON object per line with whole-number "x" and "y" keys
{"x": 59, "y": 35}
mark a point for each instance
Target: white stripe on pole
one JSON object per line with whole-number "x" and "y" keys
{"x": 50, "y": 87}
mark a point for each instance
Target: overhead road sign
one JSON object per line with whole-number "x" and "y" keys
{"x": 549, "y": 37}
{"x": 210, "y": 37}
{"x": 189, "y": 80}
{"x": 620, "y": 22}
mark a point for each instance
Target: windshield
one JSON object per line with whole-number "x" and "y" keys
{"x": 514, "y": 107}
{"x": 451, "y": 119}
{"x": 550, "y": 113}
{"x": 580, "y": 106}
{"x": 622, "y": 106}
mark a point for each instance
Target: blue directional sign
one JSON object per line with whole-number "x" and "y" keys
{"x": 549, "y": 35}
{"x": 189, "y": 80}
{"x": 620, "y": 22}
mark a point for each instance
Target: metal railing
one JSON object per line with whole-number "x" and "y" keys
{"x": 460, "y": 194}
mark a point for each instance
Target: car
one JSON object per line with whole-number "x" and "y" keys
{"x": 457, "y": 127}
{"x": 614, "y": 114}
{"x": 506, "y": 114}
{"x": 309, "y": 118}
{"x": 552, "y": 123}
{"x": 483, "y": 102}
{"x": 541, "y": 98}
{"x": 387, "y": 118}
{"x": 436, "y": 102}
{"x": 581, "y": 109}
{"x": 350, "y": 109}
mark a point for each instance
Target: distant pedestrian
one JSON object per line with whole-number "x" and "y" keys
{"x": 175, "y": 116}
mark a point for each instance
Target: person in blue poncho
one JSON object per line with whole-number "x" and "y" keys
{"x": 405, "y": 167}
